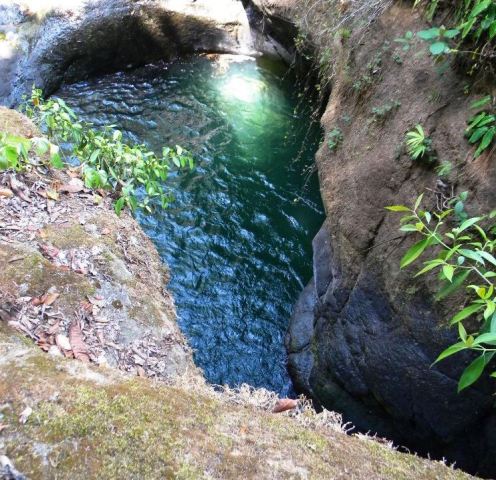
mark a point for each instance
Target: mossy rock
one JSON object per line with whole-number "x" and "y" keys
{"x": 98, "y": 423}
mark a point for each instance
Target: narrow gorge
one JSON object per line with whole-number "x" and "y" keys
{"x": 274, "y": 269}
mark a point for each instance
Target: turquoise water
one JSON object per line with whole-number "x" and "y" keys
{"x": 238, "y": 236}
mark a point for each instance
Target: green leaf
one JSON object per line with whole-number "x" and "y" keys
{"x": 119, "y": 205}
{"x": 486, "y": 141}
{"x": 94, "y": 156}
{"x": 419, "y": 199}
{"x": 480, "y": 7}
{"x": 398, "y": 208}
{"x": 56, "y": 161}
{"x": 490, "y": 309}
{"x": 465, "y": 313}
{"x": 489, "y": 338}
{"x": 454, "y": 285}
{"x": 430, "y": 266}
{"x": 451, "y": 33}
{"x": 438, "y": 48}
{"x": 490, "y": 258}
{"x": 429, "y": 34}
{"x": 472, "y": 254}
{"x": 462, "y": 333}
{"x": 451, "y": 350}
{"x": 448, "y": 271}
{"x": 483, "y": 101}
{"x": 408, "y": 228}
{"x": 472, "y": 373}
{"x": 414, "y": 252}
{"x": 467, "y": 224}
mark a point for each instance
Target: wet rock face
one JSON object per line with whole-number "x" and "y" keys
{"x": 67, "y": 43}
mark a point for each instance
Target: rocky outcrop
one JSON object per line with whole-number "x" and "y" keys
{"x": 48, "y": 43}
{"x": 62, "y": 419}
{"x": 364, "y": 334}
{"x": 68, "y": 262}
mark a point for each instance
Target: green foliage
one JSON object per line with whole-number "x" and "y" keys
{"x": 439, "y": 39}
{"x": 135, "y": 175}
{"x": 481, "y": 130}
{"x": 406, "y": 41}
{"x": 464, "y": 257}
{"x": 372, "y": 72}
{"x": 334, "y": 138}
{"x": 15, "y": 152}
{"x": 474, "y": 27}
{"x": 418, "y": 144}
{"x": 381, "y": 113}
{"x": 458, "y": 205}
{"x": 444, "y": 170}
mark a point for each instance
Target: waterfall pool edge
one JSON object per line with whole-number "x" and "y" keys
{"x": 238, "y": 236}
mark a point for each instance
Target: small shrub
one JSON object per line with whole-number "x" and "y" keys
{"x": 464, "y": 257}
{"x": 334, "y": 138}
{"x": 439, "y": 39}
{"x": 444, "y": 170}
{"x": 133, "y": 174}
{"x": 380, "y": 114}
{"x": 15, "y": 152}
{"x": 419, "y": 145}
{"x": 406, "y": 41}
{"x": 481, "y": 130}
{"x": 474, "y": 28}
{"x": 458, "y": 205}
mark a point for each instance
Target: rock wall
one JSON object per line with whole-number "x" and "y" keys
{"x": 51, "y": 42}
{"x": 364, "y": 334}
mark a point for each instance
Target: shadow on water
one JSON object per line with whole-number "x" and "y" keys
{"x": 238, "y": 235}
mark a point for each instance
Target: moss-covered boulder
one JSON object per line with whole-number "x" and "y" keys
{"x": 63, "y": 419}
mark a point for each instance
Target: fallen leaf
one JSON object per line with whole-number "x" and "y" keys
{"x": 52, "y": 195}
{"x": 75, "y": 185}
{"x": 54, "y": 329}
{"x": 25, "y": 414}
{"x": 79, "y": 347}
{"x": 49, "y": 298}
{"x": 49, "y": 251}
{"x": 6, "y": 192}
{"x": 284, "y": 404}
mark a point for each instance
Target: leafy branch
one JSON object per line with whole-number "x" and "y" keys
{"x": 463, "y": 257}
{"x": 133, "y": 174}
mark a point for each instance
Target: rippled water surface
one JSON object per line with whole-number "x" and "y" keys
{"x": 238, "y": 236}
